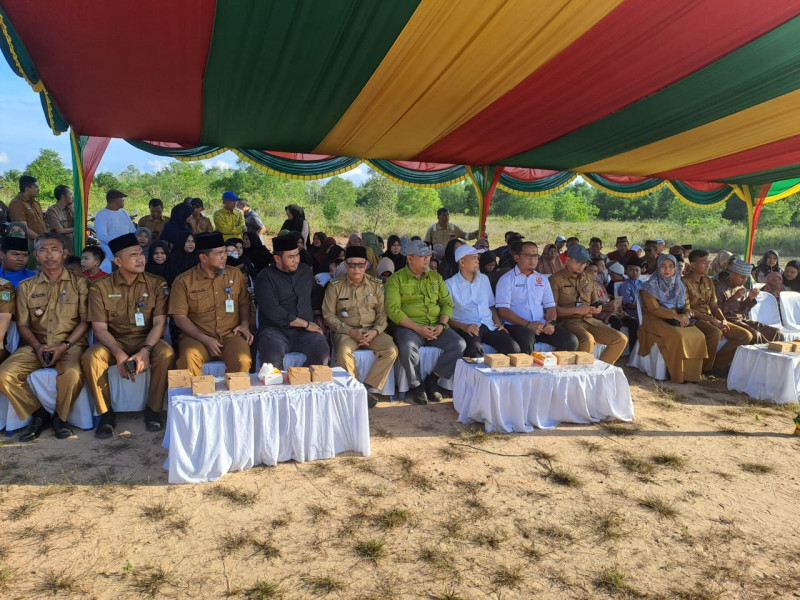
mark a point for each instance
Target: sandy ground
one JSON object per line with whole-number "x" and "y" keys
{"x": 698, "y": 499}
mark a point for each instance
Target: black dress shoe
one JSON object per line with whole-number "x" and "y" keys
{"x": 108, "y": 420}
{"x": 61, "y": 429}
{"x": 420, "y": 397}
{"x": 152, "y": 421}
{"x": 432, "y": 388}
{"x": 33, "y": 431}
{"x": 372, "y": 400}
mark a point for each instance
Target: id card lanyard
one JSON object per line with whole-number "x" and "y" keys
{"x": 139, "y": 316}
{"x": 229, "y": 308}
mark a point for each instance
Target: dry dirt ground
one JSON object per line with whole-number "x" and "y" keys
{"x": 697, "y": 499}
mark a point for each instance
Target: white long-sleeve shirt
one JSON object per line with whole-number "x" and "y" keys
{"x": 110, "y": 224}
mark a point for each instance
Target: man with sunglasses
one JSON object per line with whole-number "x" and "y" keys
{"x": 355, "y": 313}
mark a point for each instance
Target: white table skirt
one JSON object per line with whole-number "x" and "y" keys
{"x": 519, "y": 399}
{"x": 765, "y": 375}
{"x": 208, "y": 436}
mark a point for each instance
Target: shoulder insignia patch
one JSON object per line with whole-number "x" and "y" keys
{"x": 5, "y": 296}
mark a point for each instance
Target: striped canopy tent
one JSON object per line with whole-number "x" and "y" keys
{"x": 699, "y": 95}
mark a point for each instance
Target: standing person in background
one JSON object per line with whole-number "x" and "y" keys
{"x": 178, "y": 225}
{"x": 60, "y": 217}
{"x": 3, "y": 216}
{"x": 156, "y": 221}
{"x": 198, "y": 222}
{"x": 443, "y": 230}
{"x": 229, "y": 220}
{"x": 251, "y": 219}
{"x": 296, "y": 221}
{"x": 24, "y": 207}
{"x": 111, "y": 222}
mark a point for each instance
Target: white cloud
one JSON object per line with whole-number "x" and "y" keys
{"x": 218, "y": 163}
{"x": 158, "y": 164}
{"x": 357, "y": 175}
{"x": 3, "y": 158}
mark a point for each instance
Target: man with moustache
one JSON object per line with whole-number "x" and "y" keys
{"x": 60, "y": 217}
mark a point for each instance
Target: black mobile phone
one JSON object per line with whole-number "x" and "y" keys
{"x": 48, "y": 357}
{"x": 596, "y": 304}
{"x": 130, "y": 366}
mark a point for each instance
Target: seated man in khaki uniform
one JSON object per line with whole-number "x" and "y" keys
{"x": 709, "y": 317}
{"x": 211, "y": 306}
{"x": 7, "y": 310}
{"x": 354, "y": 311}
{"x": 51, "y": 319}
{"x": 576, "y": 304}
{"x": 128, "y": 312}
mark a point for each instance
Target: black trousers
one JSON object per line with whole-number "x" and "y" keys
{"x": 562, "y": 339}
{"x": 274, "y": 343}
{"x": 499, "y": 340}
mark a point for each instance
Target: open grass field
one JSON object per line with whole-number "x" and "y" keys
{"x": 695, "y": 500}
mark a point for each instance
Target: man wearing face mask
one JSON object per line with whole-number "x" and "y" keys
{"x": 211, "y": 306}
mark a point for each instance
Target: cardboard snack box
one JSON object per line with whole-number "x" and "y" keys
{"x": 179, "y": 378}
{"x": 564, "y": 358}
{"x": 321, "y": 374}
{"x": 496, "y": 360}
{"x": 237, "y": 381}
{"x": 780, "y": 346}
{"x": 520, "y": 360}
{"x": 299, "y": 375}
{"x": 544, "y": 359}
{"x": 795, "y": 346}
{"x": 202, "y": 384}
{"x": 584, "y": 358}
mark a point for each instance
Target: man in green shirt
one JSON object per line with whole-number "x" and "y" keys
{"x": 229, "y": 220}
{"x": 418, "y": 302}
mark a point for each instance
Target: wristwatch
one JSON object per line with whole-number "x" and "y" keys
{"x": 69, "y": 344}
{"x": 149, "y": 349}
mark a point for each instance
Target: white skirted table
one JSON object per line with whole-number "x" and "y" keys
{"x": 510, "y": 399}
{"x": 210, "y": 435}
{"x": 765, "y": 375}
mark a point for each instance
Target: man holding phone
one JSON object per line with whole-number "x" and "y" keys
{"x": 128, "y": 312}
{"x": 576, "y": 301}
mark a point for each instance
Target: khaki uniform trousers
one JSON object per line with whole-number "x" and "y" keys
{"x": 736, "y": 336}
{"x": 589, "y": 333}
{"x": 193, "y": 355}
{"x": 385, "y": 355}
{"x": 97, "y": 359}
{"x": 14, "y": 374}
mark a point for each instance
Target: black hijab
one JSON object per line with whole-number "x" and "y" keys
{"x": 297, "y": 220}
{"x": 177, "y": 226}
{"x": 179, "y": 260}
{"x": 257, "y": 253}
{"x": 398, "y": 259}
{"x": 792, "y": 284}
{"x": 154, "y": 268}
{"x": 448, "y": 266}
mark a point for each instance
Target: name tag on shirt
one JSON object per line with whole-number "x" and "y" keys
{"x": 139, "y": 317}
{"x": 229, "y": 306}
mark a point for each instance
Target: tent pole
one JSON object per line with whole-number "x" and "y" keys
{"x": 484, "y": 179}
{"x": 80, "y": 195}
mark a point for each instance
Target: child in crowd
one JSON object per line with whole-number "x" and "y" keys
{"x": 91, "y": 258}
{"x": 629, "y": 290}
{"x": 774, "y": 284}
{"x": 73, "y": 263}
{"x": 616, "y": 274}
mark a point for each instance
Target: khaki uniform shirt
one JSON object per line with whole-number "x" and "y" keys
{"x": 569, "y": 290}
{"x": 156, "y": 226}
{"x": 7, "y": 300}
{"x": 115, "y": 303}
{"x": 200, "y": 224}
{"x": 701, "y": 294}
{"x": 347, "y": 306}
{"x": 62, "y": 218}
{"x": 27, "y": 212}
{"x": 437, "y": 235}
{"x": 202, "y": 298}
{"x": 52, "y": 310}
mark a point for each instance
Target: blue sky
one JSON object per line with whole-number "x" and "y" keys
{"x": 24, "y": 131}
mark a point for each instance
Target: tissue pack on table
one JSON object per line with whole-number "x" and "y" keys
{"x": 518, "y": 359}
{"x": 584, "y": 358}
{"x": 564, "y": 358}
{"x": 269, "y": 375}
{"x": 496, "y": 360}
{"x": 544, "y": 359}
{"x": 299, "y": 375}
{"x": 203, "y": 384}
{"x": 237, "y": 381}
{"x": 179, "y": 378}
{"x": 321, "y": 373}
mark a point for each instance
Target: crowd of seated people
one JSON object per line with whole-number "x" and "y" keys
{"x": 214, "y": 285}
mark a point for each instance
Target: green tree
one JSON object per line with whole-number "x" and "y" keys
{"x": 459, "y": 198}
{"x": 379, "y": 203}
{"x": 339, "y": 190}
{"x": 573, "y": 207}
{"x": 418, "y": 201}
{"x": 330, "y": 210}
{"x": 50, "y": 172}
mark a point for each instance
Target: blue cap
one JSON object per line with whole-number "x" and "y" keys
{"x": 230, "y": 196}
{"x": 579, "y": 253}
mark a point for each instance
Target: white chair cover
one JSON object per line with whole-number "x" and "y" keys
{"x": 215, "y": 368}
{"x": 766, "y": 311}
{"x": 127, "y": 395}
{"x": 765, "y": 375}
{"x": 790, "y": 310}
{"x": 653, "y": 364}
{"x": 43, "y": 385}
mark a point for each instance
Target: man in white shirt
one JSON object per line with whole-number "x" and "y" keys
{"x": 524, "y": 299}
{"x": 112, "y": 222}
{"x": 474, "y": 316}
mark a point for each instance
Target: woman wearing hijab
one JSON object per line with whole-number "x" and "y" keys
{"x": 667, "y": 322}
{"x": 144, "y": 236}
{"x": 394, "y": 252}
{"x": 296, "y": 221}
{"x": 549, "y": 262}
{"x": 371, "y": 241}
{"x": 157, "y": 259}
{"x": 256, "y": 252}
{"x": 175, "y": 229}
{"x": 791, "y": 276}
{"x": 769, "y": 263}
{"x": 720, "y": 263}
{"x": 182, "y": 257}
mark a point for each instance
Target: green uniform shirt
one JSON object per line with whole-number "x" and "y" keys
{"x": 421, "y": 300}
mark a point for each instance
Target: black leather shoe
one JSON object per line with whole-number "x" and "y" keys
{"x": 432, "y": 388}
{"x": 420, "y": 397}
{"x": 61, "y": 429}
{"x": 372, "y": 400}
{"x": 152, "y": 421}
{"x": 33, "y": 431}
{"x": 108, "y": 420}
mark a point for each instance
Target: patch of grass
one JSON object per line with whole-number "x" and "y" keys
{"x": 533, "y": 552}
{"x": 664, "y": 392}
{"x": 476, "y": 507}
{"x": 394, "y": 517}
{"x": 180, "y": 524}
{"x": 470, "y": 485}
{"x": 279, "y": 522}
{"x": 438, "y": 559}
{"x": 57, "y": 582}
{"x": 561, "y": 476}
{"x": 490, "y": 538}
{"x": 320, "y": 469}
{"x": 542, "y": 454}
{"x": 266, "y": 548}
{"x": 661, "y": 507}
{"x": 381, "y": 432}
{"x": 231, "y": 542}
{"x": 613, "y": 580}
{"x": 411, "y": 476}
{"x": 554, "y": 532}
{"x": 473, "y": 434}
{"x": 318, "y": 512}
{"x": 673, "y": 461}
{"x": 325, "y": 585}
{"x": 158, "y": 511}
{"x": 150, "y": 580}
{"x": 450, "y": 593}
{"x": 589, "y": 446}
{"x": 232, "y": 495}
{"x": 453, "y": 527}
{"x": 609, "y": 525}
{"x": 452, "y": 452}
{"x": 22, "y": 511}
{"x": 263, "y": 590}
{"x": 508, "y": 577}
{"x": 665, "y": 404}
{"x": 756, "y": 468}
{"x": 620, "y": 430}
{"x": 636, "y": 465}
{"x": 723, "y": 475}
{"x": 371, "y": 550}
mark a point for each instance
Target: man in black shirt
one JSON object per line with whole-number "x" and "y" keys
{"x": 288, "y": 297}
